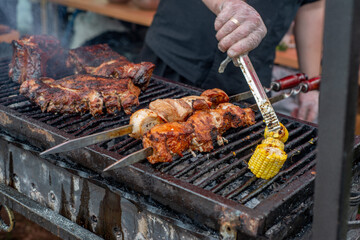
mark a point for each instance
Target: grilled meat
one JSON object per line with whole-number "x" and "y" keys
{"x": 173, "y": 110}
{"x": 206, "y": 125}
{"x": 86, "y": 58}
{"x": 199, "y": 133}
{"x": 101, "y": 60}
{"x": 37, "y": 56}
{"x": 81, "y": 93}
{"x": 210, "y": 125}
{"x": 168, "y": 110}
{"x": 216, "y": 96}
{"x": 167, "y": 140}
{"x": 197, "y": 102}
{"x": 142, "y": 121}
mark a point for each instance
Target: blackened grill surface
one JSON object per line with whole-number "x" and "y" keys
{"x": 221, "y": 174}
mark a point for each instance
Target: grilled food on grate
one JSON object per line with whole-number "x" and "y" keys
{"x": 42, "y": 56}
{"x": 82, "y": 93}
{"x": 37, "y": 56}
{"x": 269, "y": 156}
{"x": 101, "y": 60}
{"x": 174, "y": 110}
{"x": 199, "y": 133}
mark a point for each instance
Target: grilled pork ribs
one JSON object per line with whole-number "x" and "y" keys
{"x": 92, "y": 78}
{"x": 82, "y": 93}
{"x": 37, "y": 56}
{"x": 101, "y": 60}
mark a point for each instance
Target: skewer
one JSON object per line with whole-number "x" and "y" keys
{"x": 309, "y": 85}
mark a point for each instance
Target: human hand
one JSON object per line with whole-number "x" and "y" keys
{"x": 239, "y": 28}
{"x": 308, "y": 106}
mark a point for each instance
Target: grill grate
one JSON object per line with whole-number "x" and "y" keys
{"x": 222, "y": 172}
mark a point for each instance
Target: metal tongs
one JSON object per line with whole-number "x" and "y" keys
{"x": 262, "y": 101}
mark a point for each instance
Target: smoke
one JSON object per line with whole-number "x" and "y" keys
{"x": 25, "y": 22}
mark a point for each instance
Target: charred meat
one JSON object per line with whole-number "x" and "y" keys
{"x": 81, "y": 93}
{"x": 37, "y": 56}
{"x": 167, "y": 140}
{"x": 199, "y": 133}
{"x": 101, "y": 60}
{"x": 169, "y": 110}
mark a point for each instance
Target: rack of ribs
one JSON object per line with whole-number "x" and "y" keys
{"x": 81, "y": 93}
{"x": 37, "y": 56}
{"x": 101, "y": 60}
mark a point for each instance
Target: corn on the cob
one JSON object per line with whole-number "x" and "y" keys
{"x": 269, "y": 156}
{"x": 273, "y": 142}
{"x": 267, "y": 159}
{"x": 282, "y": 134}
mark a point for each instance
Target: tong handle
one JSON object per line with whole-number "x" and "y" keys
{"x": 289, "y": 82}
{"x": 310, "y": 85}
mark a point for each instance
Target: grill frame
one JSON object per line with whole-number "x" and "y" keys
{"x": 201, "y": 205}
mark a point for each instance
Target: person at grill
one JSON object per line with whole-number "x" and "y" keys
{"x": 189, "y": 39}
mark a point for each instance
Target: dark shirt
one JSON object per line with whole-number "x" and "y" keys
{"x": 183, "y": 36}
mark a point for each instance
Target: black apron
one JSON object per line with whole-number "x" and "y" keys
{"x": 181, "y": 42}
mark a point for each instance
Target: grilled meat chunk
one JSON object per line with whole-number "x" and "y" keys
{"x": 86, "y": 58}
{"x": 235, "y": 116}
{"x": 37, "y": 56}
{"x": 101, "y": 60}
{"x": 81, "y": 93}
{"x": 168, "y": 140}
{"x": 142, "y": 121}
{"x": 216, "y": 96}
{"x": 206, "y": 126}
{"x": 210, "y": 125}
{"x": 197, "y": 102}
{"x": 199, "y": 133}
{"x": 171, "y": 110}
{"x": 167, "y": 110}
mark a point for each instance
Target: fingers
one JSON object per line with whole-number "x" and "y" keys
{"x": 239, "y": 28}
{"x": 302, "y": 112}
{"x": 312, "y": 115}
{"x": 308, "y": 106}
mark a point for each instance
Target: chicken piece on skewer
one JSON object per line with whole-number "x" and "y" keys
{"x": 215, "y": 96}
{"x": 174, "y": 110}
{"x": 198, "y": 102}
{"x": 142, "y": 121}
{"x": 169, "y": 110}
{"x": 236, "y": 116}
{"x": 206, "y": 125}
{"x": 168, "y": 140}
{"x": 210, "y": 125}
{"x": 201, "y": 131}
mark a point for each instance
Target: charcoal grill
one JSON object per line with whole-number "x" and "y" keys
{"x": 214, "y": 191}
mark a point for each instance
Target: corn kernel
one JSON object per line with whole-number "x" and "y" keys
{"x": 282, "y": 134}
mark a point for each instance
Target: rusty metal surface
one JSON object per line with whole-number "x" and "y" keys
{"x": 207, "y": 188}
{"x": 66, "y": 200}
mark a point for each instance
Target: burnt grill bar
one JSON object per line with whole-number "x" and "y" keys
{"x": 338, "y": 102}
{"x": 214, "y": 187}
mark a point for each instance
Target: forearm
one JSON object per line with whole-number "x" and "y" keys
{"x": 309, "y": 37}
